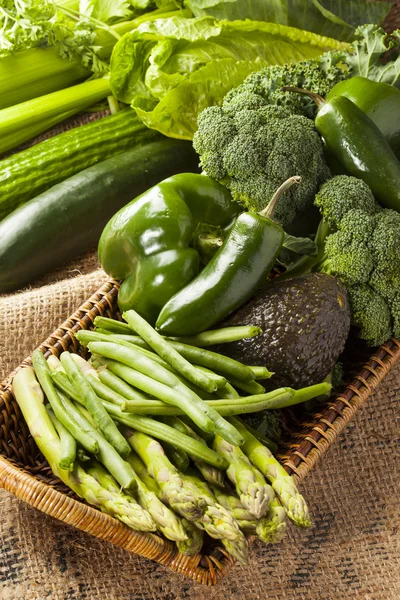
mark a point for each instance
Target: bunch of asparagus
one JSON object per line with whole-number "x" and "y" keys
{"x": 99, "y": 424}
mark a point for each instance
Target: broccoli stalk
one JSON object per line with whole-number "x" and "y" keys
{"x": 359, "y": 242}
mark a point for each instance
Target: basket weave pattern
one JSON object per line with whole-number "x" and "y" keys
{"x": 24, "y": 472}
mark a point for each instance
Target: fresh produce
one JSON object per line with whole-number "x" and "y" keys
{"x": 360, "y": 244}
{"x": 367, "y": 57}
{"x": 380, "y": 101}
{"x": 26, "y": 174}
{"x": 336, "y": 19}
{"x": 305, "y": 322}
{"x": 281, "y": 482}
{"x": 68, "y": 218}
{"x": 235, "y": 272}
{"x": 24, "y": 121}
{"x": 149, "y": 242}
{"x": 252, "y": 148}
{"x": 205, "y": 59}
{"x": 359, "y": 146}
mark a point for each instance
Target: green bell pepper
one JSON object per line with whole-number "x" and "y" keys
{"x": 380, "y": 101}
{"x": 153, "y": 242}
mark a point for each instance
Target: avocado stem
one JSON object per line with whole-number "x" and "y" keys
{"x": 268, "y": 211}
{"x": 319, "y": 100}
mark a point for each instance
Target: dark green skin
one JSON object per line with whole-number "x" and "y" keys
{"x": 360, "y": 147}
{"x": 380, "y": 101}
{"x": 233, "y": 275}
{"x": 305, "y": 323}
{"x": 150, "y": 242}
{"x": 68, "y": 219}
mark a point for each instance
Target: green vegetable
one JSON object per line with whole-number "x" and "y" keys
{"x": 282, "y": 483}
{"x": 30, "y": 398}
{"x": 66, "y": 220}
{"x": 168, "y": 352}
{"x": 194, "y": 542}
{"x": 21, "y": 122}
{"x": 359, "y": 146}
{"x": 367, "y": 57}
{"x": 380, "y": 101}
{"x": 233, "y": 275}
{"x": 360, "y": 244}
{"x": 219, "y": 336}
{"x": 336, "y": 19}
{"x": 148, "y": 243}
{"x": 68, "y": 447}
{"x": 34, "y": 170}
{"x": 254, "y": 493}
{"x": 142, "y": 372}
{"x": 94, "y": 405}
{"x": 162, "y": 66}
{"x": 252, "y": 148}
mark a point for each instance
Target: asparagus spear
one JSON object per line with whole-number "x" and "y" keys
{"x": 83, "y": 436}
{"x": 211, "y": 474}
{"x": 166, "y": 521}
{"x": 67, "y": 443}
{"x": 254, "y": 492}
{"x": 178, "y": 457}
{"x": 94, "y": 405}
{"x": 281, "y": 481}
{"x": 174, "y": 490}
{"x": 29, "y": 396}
{"x": 194, "y": 542}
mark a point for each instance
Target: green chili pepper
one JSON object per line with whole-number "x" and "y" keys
{"x": 151, "y": 242}
{"x": 380, "y": 101}
{"x": 356, "y": 142}
{"x": 232, "y": 276}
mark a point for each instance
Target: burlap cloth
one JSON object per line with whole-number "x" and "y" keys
{"x": 352, "y": 552}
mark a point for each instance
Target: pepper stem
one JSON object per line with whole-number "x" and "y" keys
{"x": 319, "y": 100}
{"x": 268, "y": 211}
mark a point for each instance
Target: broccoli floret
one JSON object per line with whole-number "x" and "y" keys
{"x": 359, "y": 242}
{"x": 371, "y": 313}
{"x": 341, "y": 194}
{"x": 319, "y": 75}
{"x": 253, "y": 148}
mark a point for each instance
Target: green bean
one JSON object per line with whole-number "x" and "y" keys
{"x": 261, "y": 372}
{"x": 43, "y": 375}
{"x": 63, "y": 383}
{"x": 106, "y": 454}
{"x": 253, "y": 388}
{"x": 155, "y": 375}
{"x": 116, "y": 383}
{"x": 168, "y": 434}
{"x": 225, "y": 335}
{"x": 228, "y": 391}
{"x": 104, "y": 392}
{"x": 151, "y": 378}
{"x": 168, "y": 353}
{"x": 68, "y": 443}
{"x": 261, "y": 438}
{"x": 94, "y": 405}
{"x": 112, "y": 325}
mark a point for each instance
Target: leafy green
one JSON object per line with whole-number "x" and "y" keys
{"x": 334, "y": 18}
{"x": 105, "y": 10}
{"x": 171, "y": 69}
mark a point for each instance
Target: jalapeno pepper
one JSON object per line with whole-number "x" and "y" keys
{"x": 356, "y": 142}
{"x": 233, "y": 275}
{"x": 380, "y": 101}
{"x": 151, "y": 242}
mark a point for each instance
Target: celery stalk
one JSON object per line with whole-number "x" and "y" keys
{"x": 21, "y": 122}
{"x": 35, "y": 72}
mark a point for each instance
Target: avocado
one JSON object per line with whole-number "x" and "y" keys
{"x": 305, "y": 322}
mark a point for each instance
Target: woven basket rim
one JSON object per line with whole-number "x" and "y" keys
{"x": 298, "y": 458}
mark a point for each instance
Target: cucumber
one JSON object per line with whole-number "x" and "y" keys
{"x": 28, "y": 173}
{"x": 68, "y": 219}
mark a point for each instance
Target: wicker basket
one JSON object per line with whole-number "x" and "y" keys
{"x": 25, "y": 473}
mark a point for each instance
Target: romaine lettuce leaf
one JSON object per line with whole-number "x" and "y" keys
{"x": 169, "y": 70}
{"x": 334, "y": 18}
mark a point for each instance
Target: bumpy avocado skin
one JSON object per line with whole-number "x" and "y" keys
{"x": 305, "y": 323}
